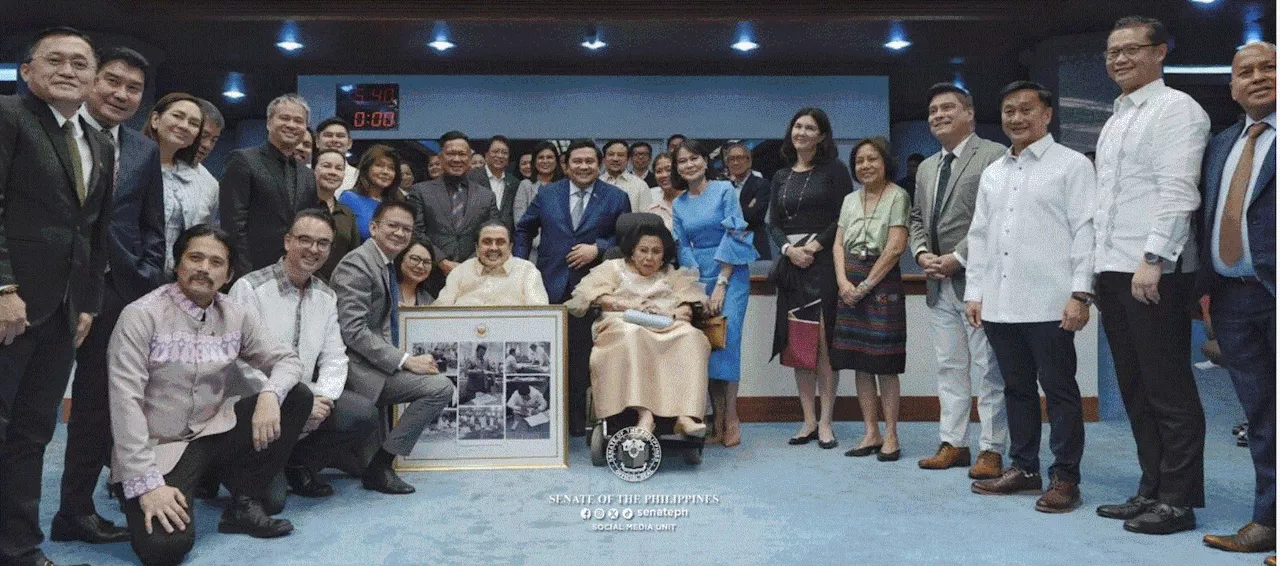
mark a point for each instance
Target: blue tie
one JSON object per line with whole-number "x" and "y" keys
{"x": 393, "y": 290}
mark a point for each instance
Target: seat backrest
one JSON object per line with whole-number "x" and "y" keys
{"x": 628, "y": 223}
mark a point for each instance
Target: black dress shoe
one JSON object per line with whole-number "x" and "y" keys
{"x": 889, "y": 456}
{"x": 1135, "y": 506}
{"x": 1162, "y": 519}
{"x": 246, "y": 516}
{"x": 385, "y": 480}
{"x": 828, "y": 445}
{"x": 864, "y": 451}
{"x": 92, "y": 529}
{"x": 798, "y": 440}
{"x": 306, "y": 484}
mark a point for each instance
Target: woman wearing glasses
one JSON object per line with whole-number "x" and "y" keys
{"x": 414, "y": 267}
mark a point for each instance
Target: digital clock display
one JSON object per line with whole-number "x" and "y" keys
{"x": 370, "y": 106}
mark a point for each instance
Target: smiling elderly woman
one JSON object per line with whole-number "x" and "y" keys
{"x": 656, "y": 371}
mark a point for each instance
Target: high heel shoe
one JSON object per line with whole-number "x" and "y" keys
{"x": 798, "y": 440}
{"x": 865, "y": 450}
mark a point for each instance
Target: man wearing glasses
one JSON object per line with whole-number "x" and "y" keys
{"x": 1148, "y": 163}
{"x": 301, "y": 311}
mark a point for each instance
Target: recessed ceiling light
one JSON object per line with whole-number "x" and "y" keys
{"x": 233, "y": 90}
{"x": 898, "y": 44}
{"x": 594, "y": 43}
{"x": 1204, "y": 1}
{"x": 744, "y": 45}
{"x": 1197, "y": 69}
{"x": 233, "y": 94}
{"x": 441, "y": 45}
{"x": 289, "y": 45}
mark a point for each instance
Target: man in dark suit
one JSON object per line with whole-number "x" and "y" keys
{"x": 642, "y": 162}
{"x": 55, "y": 180}
{"x": 495, "y": 176}
{"x": 753, "y": 194}
{"x": 450, "y": 210}
{"x": 264, "y": 187}
{"x": 1238, "y": 271}
{"x": 576, "y": 217}
{"x": 135, "y": 263}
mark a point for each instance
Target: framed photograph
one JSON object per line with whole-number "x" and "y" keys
{"x": 508, "y": 367}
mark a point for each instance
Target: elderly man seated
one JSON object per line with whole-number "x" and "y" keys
{"x": 300, "y": 310}
{"x": 658, "y": 371}
{"x": 169, "y": 361}
{"x": 493, "y": 277}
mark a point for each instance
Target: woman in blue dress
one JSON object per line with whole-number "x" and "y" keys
{"x": 379, "y": 179}
{"x": 713, "y": 238}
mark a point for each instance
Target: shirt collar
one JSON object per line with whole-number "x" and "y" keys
{"x": 1140, "y": 96}
{"x": 114, "y": 131}
{"x": 181, "y": 172}
{"x": 959, "y": 149}
{"x": 493, "y": 177}
{"x": 573, "y": 188}
{"x": 286, "y": 285}
{"x": 62, "y": 120}
{"x": 381, "y": 254}
{"x": 1036, "y": 149}
{"x": 502, "y": 270}
{"x": 1270, "y": 120}
{"x": 186, "y": 304}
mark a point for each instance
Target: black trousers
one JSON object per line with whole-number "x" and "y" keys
{"x": 1151, "y": 346}
{"x": 579, "y": 372}
{"x": 1244, "y": 320}
{"x": 244, "y": 470}
{"x": 33, "y": 376}
{"x": 1025, "y": 351}
{"x": 89, "y": 426}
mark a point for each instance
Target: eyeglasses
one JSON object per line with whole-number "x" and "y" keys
{"x": 396, "y": 226}
{"x": 57, "y": 61}
{"x": 416, "y": 261}
{"x": 1129, "y": 51}
{"x": 308, "y": 242}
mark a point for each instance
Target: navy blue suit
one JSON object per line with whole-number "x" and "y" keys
{"x": 1244, "y": 310}
{"x": 135, "y": 254}
{"x": 549, "y": 215}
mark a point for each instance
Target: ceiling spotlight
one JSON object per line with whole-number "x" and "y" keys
{"x": 898, "y": 44}
{"x": 440, "y": 37}
{"x": 1197, "y": 69}
{"x": 594, "y": 40}
{"x": 744, "y": 45}
{"x": 289, "y": 45}
{"x": 288, "y": 40}
{"x": 233, "y": 94}
{"x": 1204, "y": 1}
{"x": 234, "y": 88}
{"x": 441, "y": 45}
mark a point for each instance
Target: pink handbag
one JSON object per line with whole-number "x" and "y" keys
{"x": 802, "y": 341}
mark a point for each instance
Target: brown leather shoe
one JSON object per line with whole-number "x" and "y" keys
{"x": 948, "y": 456}
{"x": 1063, "y": 497}
{"x": 1011, "y": 481}
{"x": 987, "y": 467}
{"x": 1269, "y": 561}
{"x": 1250, "y": 538}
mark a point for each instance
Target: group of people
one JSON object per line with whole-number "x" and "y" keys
{"x": 116, "y": 246}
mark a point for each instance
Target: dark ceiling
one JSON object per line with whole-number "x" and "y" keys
{"x": 195, "y": 43}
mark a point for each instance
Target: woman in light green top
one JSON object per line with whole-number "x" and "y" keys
{"x": 871, "y": 319}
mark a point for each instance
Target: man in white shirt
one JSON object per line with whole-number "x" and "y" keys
{"x": 493, "y": 277}
{"x": 1148, "y": 163}
{"x": 1030, "y": 279}
{"x": 495, "y": 176}
{"x": 616, "y": 156}
{"x": 301, "y": 311}
{"x": 335, "y": 133}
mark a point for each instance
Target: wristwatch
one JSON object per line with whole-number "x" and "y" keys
{"x": 1085, "y": 298}
{"x": 1152, "y": 259}
{"x": 722, "y": 281}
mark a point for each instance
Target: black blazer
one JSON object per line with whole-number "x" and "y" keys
{"x": 480, "y": 177}
{"x": 755, "y": 204}
{"x": 257, "y": 207}
{"x": 137, "y": 219}
{"x": 52, "y": 246}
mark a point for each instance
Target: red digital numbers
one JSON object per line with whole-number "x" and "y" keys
{"x": 373, "y": 120}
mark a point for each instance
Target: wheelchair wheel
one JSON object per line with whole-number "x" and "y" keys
{"x": 693, "y": 455}
{"x": 598, "y": 442}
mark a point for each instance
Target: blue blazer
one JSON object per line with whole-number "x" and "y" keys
{"x": 136, "y": 246}
{"x": 1260, "y": 212}
{"x": 548, "y": 214}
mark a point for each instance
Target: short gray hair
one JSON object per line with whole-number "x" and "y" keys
{"x": 212, "y": 114}
{"x": 291, "y": 98}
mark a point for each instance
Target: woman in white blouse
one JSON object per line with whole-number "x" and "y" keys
{"x": 175, "y": 124}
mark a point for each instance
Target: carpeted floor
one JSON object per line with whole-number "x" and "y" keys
{"x": 773, "y": 504}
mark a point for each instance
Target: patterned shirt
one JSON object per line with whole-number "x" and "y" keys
{"x": 190, "y": 198}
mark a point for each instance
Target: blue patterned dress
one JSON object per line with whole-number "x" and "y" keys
{"x": 709, "y": 230}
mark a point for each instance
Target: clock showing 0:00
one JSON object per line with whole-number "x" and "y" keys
{"x": 370, "y": 106}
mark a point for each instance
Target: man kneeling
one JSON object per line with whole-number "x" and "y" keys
{"x": 169, "y": 361}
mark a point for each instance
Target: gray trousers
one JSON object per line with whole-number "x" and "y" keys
{"x": 427, "y": 396}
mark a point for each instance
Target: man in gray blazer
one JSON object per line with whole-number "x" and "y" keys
{"x": 946, "y": 190}
{"x": 449, "y": 211}
{"x": 368, "y": 314}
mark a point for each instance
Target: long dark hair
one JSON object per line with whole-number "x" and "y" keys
{"x": 556, "y": 173}
{"x": 692, "y": 146}
{"x": 187, "y": 154}
{"x": 425, "y": 243}
{"x": 371, "y": 156}
{"x": 826, "y": 149}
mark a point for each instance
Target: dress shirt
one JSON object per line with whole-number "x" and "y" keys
{"x": 516, "y": 282}
{"x": 190, "y": 198}
{"x": 113, "y": 131}
{"x": 659, "y": 205}
{"x": 304, "y": 319}
{"x": 637, "y": 190}
{"x": 586, "y": 198}
{"x": 1260, "y": 149}
{"x": 349, "y": 176}
{"x": 86, "y": 154}
{"x": 169, "y": 363}
{"x": 498, "y": 184}
{"x": 1031, "y": 240}
{"x": 1148, "y": 164}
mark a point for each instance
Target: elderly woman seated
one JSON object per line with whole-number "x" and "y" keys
{"x": 658, "y": 371}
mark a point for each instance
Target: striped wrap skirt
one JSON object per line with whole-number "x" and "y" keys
{"x": 871, "y": 336}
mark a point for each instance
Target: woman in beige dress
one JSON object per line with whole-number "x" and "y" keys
{"x": 655, "y": 371}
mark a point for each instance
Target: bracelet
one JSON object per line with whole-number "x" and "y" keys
{"x": 864, "y": 288}
{"x": 722, "y": 281}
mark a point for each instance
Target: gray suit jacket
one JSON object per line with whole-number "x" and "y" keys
{"x": 364, "y": 316}
{"x": 433, "y": 217}
{"x": 957, "y": 206}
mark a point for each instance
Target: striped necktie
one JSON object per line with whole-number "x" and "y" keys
{"x": 76, "y": 166}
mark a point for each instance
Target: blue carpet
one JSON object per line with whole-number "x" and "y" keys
{"x": 777, "y": 504}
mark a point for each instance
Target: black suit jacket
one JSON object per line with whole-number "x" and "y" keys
{"x": 755, "y": 205}
{"x": 137, "y": 219}
{"x": 51, "y": 245}
{"x": 480, "y": 178}
{"x": 257, "y": 206}
{"x": 433, "y": 217}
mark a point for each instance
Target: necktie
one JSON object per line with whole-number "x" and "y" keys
{"x": 393, "y": 291}
{"x": 578, "y": 207}
{"x": 940, "y": 193}
{"x": 115, "y": 151}
{"x": 76, "y": 167}
{"x": 1230, "y": 241}
{"x": 459, "y": 200}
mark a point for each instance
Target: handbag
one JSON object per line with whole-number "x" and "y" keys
{"x": 802, "y": 340}
{"x": 716, "y": 328}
